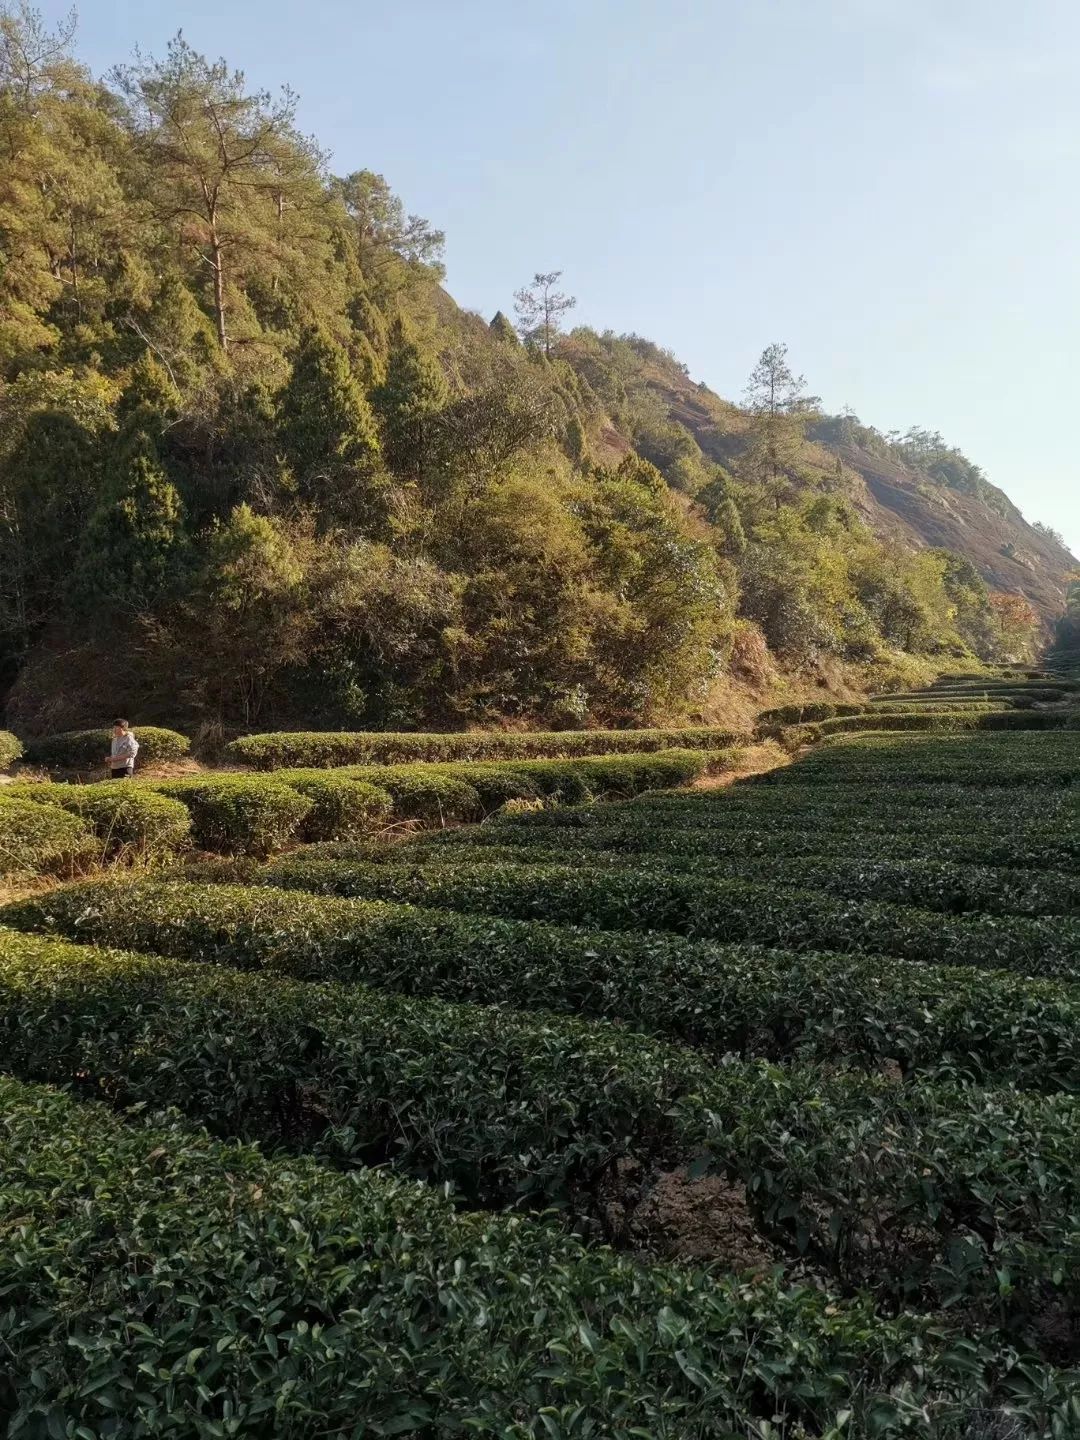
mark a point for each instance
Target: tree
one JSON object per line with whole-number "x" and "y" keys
{"x": 412, "y": 395}
{"x": 251, "y": 580}
{"x": 47, "y": 488}
{"x": 134, "y": 543}
{"x": 221, "y": 165}
{"x": 382, "y": 229}
{"x": 779, "y": 407}
{"x": 327, "y": 430}
{"x": 540, "y": 308}
{"x": 501, "y": 328}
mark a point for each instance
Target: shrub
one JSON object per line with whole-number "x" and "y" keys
{"x": 812, "y": 710}
{"x": 292, "y": 749}
{"x": 125, "y": 818}
{"x": 716, "y": 908}
{"x": 776, "y": 1003}
{"x": 86, "y": 749}
{"x": 511, "y": 1107}
{"x": 10, "y": 749}
{"x": 341, "y": 809}
{"x": 240, "y": 816}
{"x": 434, "y": 798}
{"x": 185, "y": 1261}
{"x": 41, "y": 840}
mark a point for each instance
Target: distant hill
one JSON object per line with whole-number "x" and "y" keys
{"x": 956, "y": 510}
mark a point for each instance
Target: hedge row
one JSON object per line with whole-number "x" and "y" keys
{"x": 10, "y": 749}
{"x": 943, "y": 721}
{"x": 716, "y": 908}
{"x": 913, "y": 1191}
{"x": 743, "y": 999}
{"x": 811, "y": 710}
{"x": 86, "y": 749}
{"x": 38, "y": 840}
{"x": 987, "y": 760}
{"x": 290, "y": 749}
{"x": 258, "y": 815}
{"x": 825, "y": 800}
{"x": 926, "y": 884}
{"x": 877, "y": 818}
{"x": 211, "y": 1282}
{"x": 992, "y": 846}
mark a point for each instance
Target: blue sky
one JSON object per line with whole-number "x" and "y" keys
{"x": 889, "y": 186}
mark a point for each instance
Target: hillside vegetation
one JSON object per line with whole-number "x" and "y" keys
{"x": 258, "y": 470}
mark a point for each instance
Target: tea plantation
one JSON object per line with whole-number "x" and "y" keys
{"x": 741, "y": 1113}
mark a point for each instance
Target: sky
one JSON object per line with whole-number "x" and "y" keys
{"x": 887, "y": 186}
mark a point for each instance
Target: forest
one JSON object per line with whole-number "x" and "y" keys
{"x": 258, "y": 469}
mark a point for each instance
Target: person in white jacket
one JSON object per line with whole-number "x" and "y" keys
{"x": 122, "y": 752}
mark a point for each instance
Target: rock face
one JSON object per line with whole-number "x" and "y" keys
{"x": 1011, "y": 555}
{"x": 899, "y": 503}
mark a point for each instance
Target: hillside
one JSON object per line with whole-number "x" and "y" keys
{"x": 258, "y": 469}
{"x": 900, "y": 502}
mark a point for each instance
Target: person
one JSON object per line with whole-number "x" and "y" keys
{"x": 122, "y": 752}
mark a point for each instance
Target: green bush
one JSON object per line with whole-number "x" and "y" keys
{"x": 437, "y": 799}
{"x": 10, "y": 749}
{"x": 513, "y": 1108}
{"x": 934, "y": 885}
{"x": 978, "y": 845}
{"x": 241, "y": 816}
{"x": 715, "y": 908}
{"x": 341, "y": 809}
{"x": 811, "y": 710}
{"x": 86, "y": 749}
{"x": 214, "y": 1282}
{"x": 752, "y": 1001}
{"x": 41, "y": 840}
{"x": 302, "y": 748}
{"x": 127, "y": 819}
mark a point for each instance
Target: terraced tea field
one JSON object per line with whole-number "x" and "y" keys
{"x": 747, "y": 1112}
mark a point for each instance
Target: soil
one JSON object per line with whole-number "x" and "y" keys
{"x": 670, "y": 1215}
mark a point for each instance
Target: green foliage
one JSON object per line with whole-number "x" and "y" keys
{"x": 290, "y": 748}
{"x": 415, "y": 1307}
{"x": 87, "y": 749}
{"x": 134, "y": 545}
{"x": 327, "y": 432}
{"x": 512, "y": 1107}
{"x": 129, "y": 820}
{"x": 342, "y": 809}
{"x": 240, "y": 817}
{"x": 408, "y": 402}
{"x": 10, "y": 749}
{"x": 38, "y": 840}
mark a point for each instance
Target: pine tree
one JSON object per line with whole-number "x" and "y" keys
{"x": 134, "y": 544}
{"x": 326, "y": 429}
{"x": 502, "y": 329}
{"x": 150, "y": 399}
{"x": 413, "y": 393}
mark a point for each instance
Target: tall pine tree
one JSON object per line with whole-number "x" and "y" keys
{"x": 327, "y": 432}
{"x": 412, "y": 395}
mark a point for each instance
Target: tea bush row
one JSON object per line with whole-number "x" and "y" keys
{"x": 298, "y": 749}
{"x": 913, "y": 1191}
{"x": 1025, "y": 847}
{"x": 742, "y": 999}
{"x": 260, "y": 814}
{"x": 87, "y": 749}
{"x": 38, "y": 840}
{"x": 383, "y": 1310}
{"x": 716, "y": 908}
{"x": 942, "y": 721}
{"x": 925, "y": 884}
{"x": 10, "y": 749}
